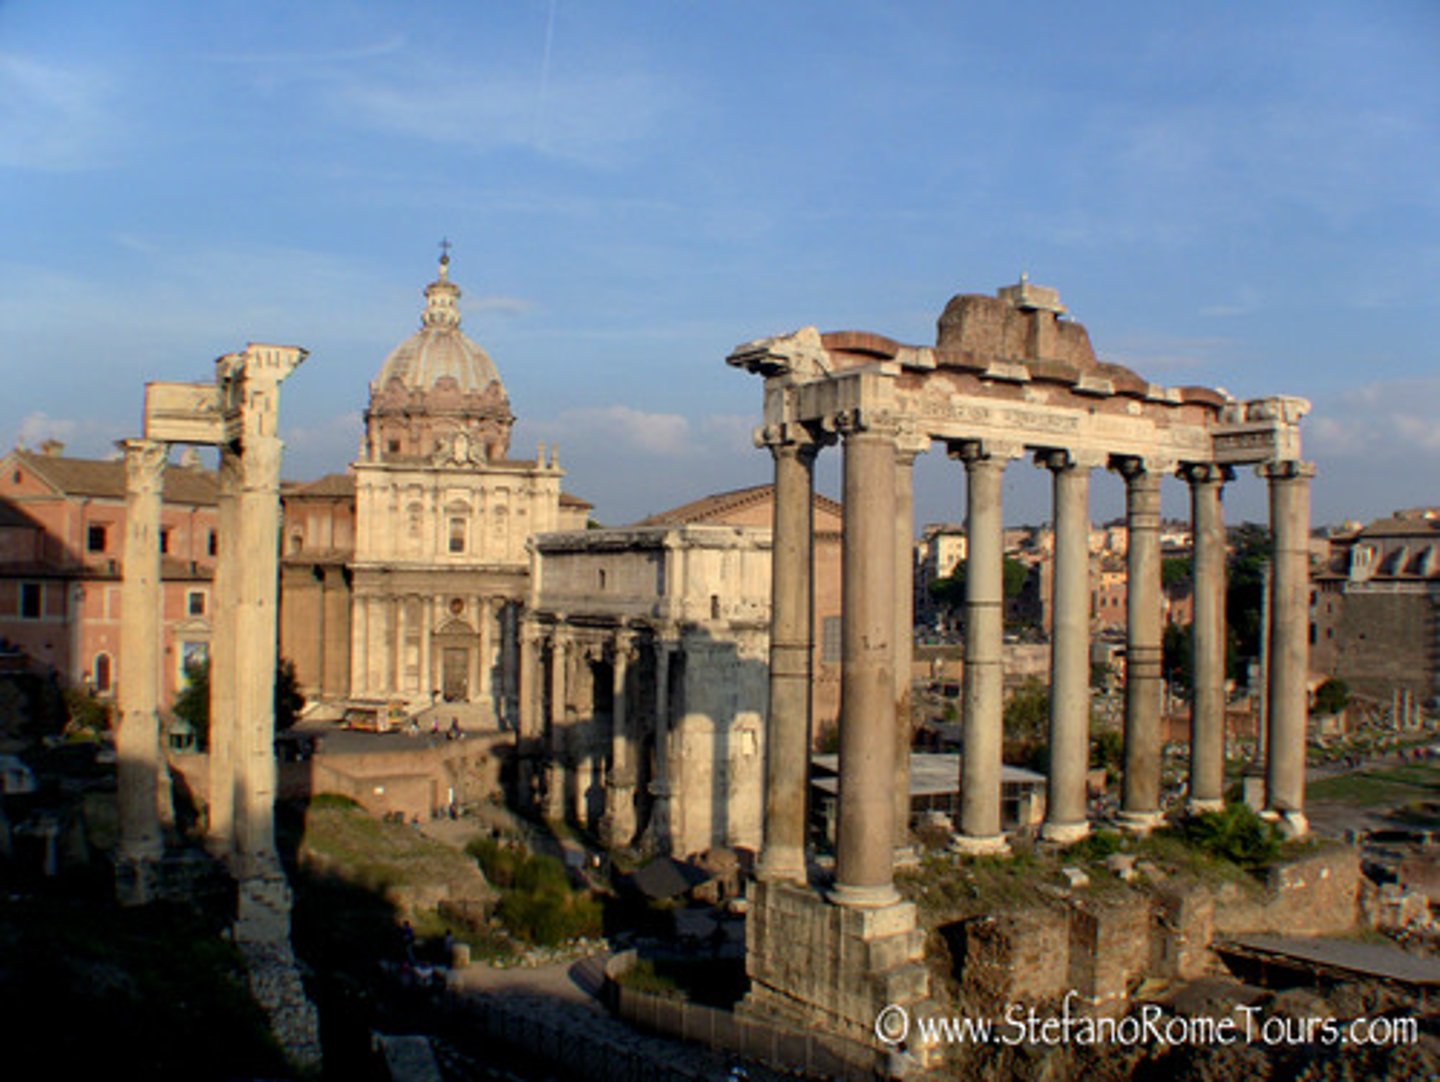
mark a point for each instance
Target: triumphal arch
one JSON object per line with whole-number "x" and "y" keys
{"x": 1009, "y": 377}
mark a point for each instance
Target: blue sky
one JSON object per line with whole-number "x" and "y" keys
{"x": 1236, "y": 195}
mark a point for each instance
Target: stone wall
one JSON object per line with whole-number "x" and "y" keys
{"x": 1382, "y": 641}
{"x": 1102, "y": 947}
{"x": 1316, "y": 895}
{"x": 810, "y": 961}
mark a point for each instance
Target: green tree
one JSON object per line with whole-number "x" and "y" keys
{"x": 192, "y": 704}
{"x": 950, "y": 591}
{"x": 1177, "y": 658}
{"x": 1175, "y": 571}
{"x": 1245, "y": 593}
{"x": 1332, "y": 696}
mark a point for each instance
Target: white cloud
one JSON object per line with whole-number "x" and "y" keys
{"x": 598, "y": 426}
{"x": 1386, "y": 421}
{"x": 37, "y": 427}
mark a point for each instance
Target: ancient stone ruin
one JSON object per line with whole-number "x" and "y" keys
{"x": 239, "y": 414}
{"x": 1008, "y": 377}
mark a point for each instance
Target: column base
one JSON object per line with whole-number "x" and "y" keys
{"x": 777, "y": 864}
{"x": 1292, "y": 823}
{"x": 1064, "y": 833}
{"x": 975, "y": 845}
{"x": 867, "y": 897}
{"x": 1204, "y": 805}
{"x": 1140, "y": 823}
{"x": 813, "y": 965}
{"x": 907, "y": 856}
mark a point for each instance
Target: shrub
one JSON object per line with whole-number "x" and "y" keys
{"x": 1236, "y": 834}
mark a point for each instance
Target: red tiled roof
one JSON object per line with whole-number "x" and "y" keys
{"x": 96, "y": 477}
{"x": 711, "y": 508}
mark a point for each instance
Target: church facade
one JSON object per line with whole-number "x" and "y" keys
{"x": 434, "y": 562}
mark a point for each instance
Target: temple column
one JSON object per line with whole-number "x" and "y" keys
{"x": 220, "y": 835}
{"x": 402, "y": 649}
{"x": 1140, "y": 795}
{"x": 484, "y": 690}
{"x": 905, "y": 454}
{"x": 1289, "y": 641}
{"x": 1065, "y": 819}
{"x": 556, "y": 768}
{"x": 260, "y": 372}
{"x": 1207, "y": 704}
{"x": 528, "y": 707}
{"x": 983, "y": 705}
{"x": 787, "y": 736}
{"x": 137, "y": 739}
{"x": 619, "y": 825}
{"x": 427, "y": 655}
{"x": 865, "y": 853}
{"x": 661, "y": 834}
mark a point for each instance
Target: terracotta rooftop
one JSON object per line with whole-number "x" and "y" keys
{"x": 569, "y": 499}
{"x": 96, "y": 477}
{"x": 341, "y": 485}
{"x": 715, "y": 508}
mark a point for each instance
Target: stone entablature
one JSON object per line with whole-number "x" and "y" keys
{"x": 682, "y": 575}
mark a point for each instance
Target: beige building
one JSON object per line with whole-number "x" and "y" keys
{"x": 405, "y": 580}
{"x": 647, "y": 648}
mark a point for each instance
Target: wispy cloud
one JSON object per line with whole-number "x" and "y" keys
{"x": 1152, "y": 354}
{"x": 588, "y": 118}
{"x": 388, "y": 46}
{"x": 596, "y": 427}
{"x": 55, "y": 117}
{"x": 1386, "y": 421}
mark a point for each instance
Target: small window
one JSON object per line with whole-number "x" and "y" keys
{"x": 457, "y": 535}
{"x": 195, "y": 602}
{"x": 31, "y": 597}
{"x": 95, "y": 539}
{"x": 297, "y": 542}
{"x": 394, "y": 447}
{"x": 714, "y": 606}
{"x": 213, "y": 545}
{"x": 602, "y": 578}
{"x": 165, "y": 541}
{"x": 102, "y": 673}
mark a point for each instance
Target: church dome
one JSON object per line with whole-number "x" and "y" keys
{"x": 440, "y": 350}
{"x": 436, "y": 388}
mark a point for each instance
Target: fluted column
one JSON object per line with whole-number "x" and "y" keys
{"x": 787, "y": 734}
{"x": 905, "y": 454}
{"x": 1140, "y": 796}
{"x": 220, "y": 836}
{"x": 983, "y": 705}
{"x": 1207, "y": 704}
{"x": 865, "y": 854}
{"x": 1065, "y": 819}
{"x": 1289, "y": 641}
{"x": 137, "y": 739}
